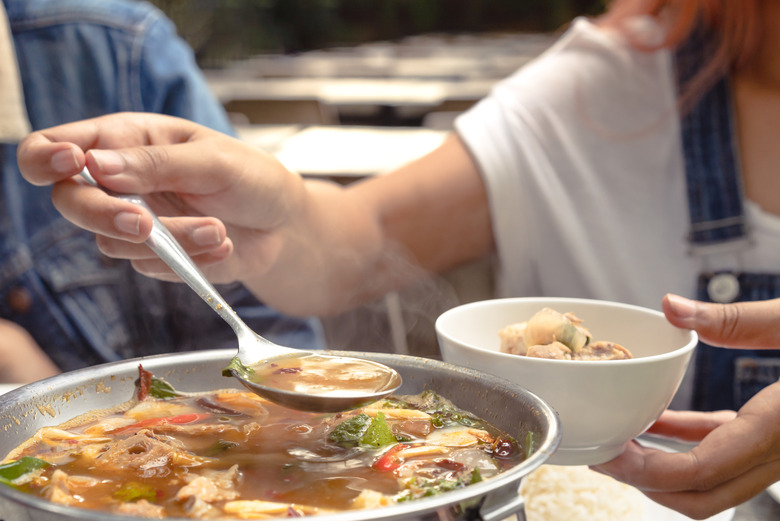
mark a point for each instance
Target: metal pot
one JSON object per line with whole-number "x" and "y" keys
{"x": 500, "y": 402}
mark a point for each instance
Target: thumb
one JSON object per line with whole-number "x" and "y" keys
{"x": 747, "y": 325}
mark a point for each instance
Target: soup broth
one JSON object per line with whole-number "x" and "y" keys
{"x": 324, "y": 375}
{"x": 234, "y": 455}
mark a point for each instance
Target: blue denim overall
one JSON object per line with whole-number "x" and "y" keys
{"x": 724, "y": 378}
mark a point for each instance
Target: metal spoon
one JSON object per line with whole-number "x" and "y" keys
{"x": 298, "y": 379}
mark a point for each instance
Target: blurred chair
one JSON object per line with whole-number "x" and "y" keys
{"x": 308, "y": 111}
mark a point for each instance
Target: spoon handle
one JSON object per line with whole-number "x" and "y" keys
{"x": 165, "y": 245}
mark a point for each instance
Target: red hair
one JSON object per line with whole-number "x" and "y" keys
{"x": 735, "y": 24}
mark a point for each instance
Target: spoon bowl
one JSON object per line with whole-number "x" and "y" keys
{"x": 299, "y": 379}
{"x": 292, "y": 380}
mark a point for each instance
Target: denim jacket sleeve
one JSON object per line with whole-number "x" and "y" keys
{"x": 79, "y": 59}
{"x": 171, "y": 83}
{"x": 84, "y": 58}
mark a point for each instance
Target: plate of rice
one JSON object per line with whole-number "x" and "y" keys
{"x": 577, "y": 493}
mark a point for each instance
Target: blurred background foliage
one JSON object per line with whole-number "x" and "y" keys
{"x": 225, "y": 30}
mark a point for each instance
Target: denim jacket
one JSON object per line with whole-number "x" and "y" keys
{"x": 79, "y": 59}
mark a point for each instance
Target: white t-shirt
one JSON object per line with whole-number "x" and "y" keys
{"x": 581, "y": 155}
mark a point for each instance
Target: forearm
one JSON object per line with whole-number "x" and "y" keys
{"x": 21, "y": 359}
{"x": 303, "y": 247}
{"x": 347, "y": 246}
{"x": 328, "y": 252}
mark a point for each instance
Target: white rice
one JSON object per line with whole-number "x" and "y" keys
{"x": 576, "y": 493}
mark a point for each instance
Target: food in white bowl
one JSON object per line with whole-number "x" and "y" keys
{"x": 602, "y": 404}
{"x": 558, "y": 336}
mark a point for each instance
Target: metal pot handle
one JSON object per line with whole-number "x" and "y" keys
{"x": 500, "y": 512}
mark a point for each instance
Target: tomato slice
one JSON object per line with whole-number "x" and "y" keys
{"x": 144, "y": 383}
{"x": 180, "y": 419}
{"x": 390, "y": 461}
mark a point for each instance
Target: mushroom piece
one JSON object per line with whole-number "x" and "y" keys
{"x": 513, "y": 339}
{"x": 603, "y": 350}
{"x": 553, "y": 351}
{"x": 548, "y": 326}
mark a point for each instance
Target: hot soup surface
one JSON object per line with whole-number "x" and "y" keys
{"x": 233, "y": 455}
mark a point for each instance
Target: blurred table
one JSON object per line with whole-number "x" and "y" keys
{"x": 350, "y": 91}
{"x": 333, "y": 100}
{"x": 434, "y": 56}
{"x": 390, "y": 81}
{"x": 342, "y": 152}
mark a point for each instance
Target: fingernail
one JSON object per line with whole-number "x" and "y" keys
{"x": 683, "y": 307}
{"x": 206, "y": 235}
{"x": 64, "y": 161}
{"x": 128, "y": 222}
{"x": 108, "y": 161}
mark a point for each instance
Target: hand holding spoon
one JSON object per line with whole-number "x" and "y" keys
{"x": 304, "y": 380}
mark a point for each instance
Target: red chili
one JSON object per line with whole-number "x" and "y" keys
{"x": 450, "y": 464}
{"x": 288, "y": 370}
{"x": 180, "y": 419}
{"x": 144, "y": 383}
{"x": 503, "y": 448}
{"x": 390, "y": 460}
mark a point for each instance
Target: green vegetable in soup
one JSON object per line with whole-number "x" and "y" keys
{"x": 12, "y": 471}
{"x": 363, "y": 430}
{"x": 135, "y": 491}
{"x": 425, "y": 487}
{"x": 162, "y": 389}
{"x": 219, "y": 447}
{"x": 529, "y": 444}
{"x": 378, "y": 433}
{"x": 349, "y": 432}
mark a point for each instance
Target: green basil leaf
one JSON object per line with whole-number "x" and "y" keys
{"x": 235, "y": 367}
{"x": 378, "y": 433}
{"x": 135, "y": 491}
{"x": 350, "y": 431}
{"x": 529, "y": 444}
{"x": 219, "y": 447}
{"x": 16, "y": 469}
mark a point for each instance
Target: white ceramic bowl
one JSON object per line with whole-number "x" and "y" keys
{"x": 602, "y": 404}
